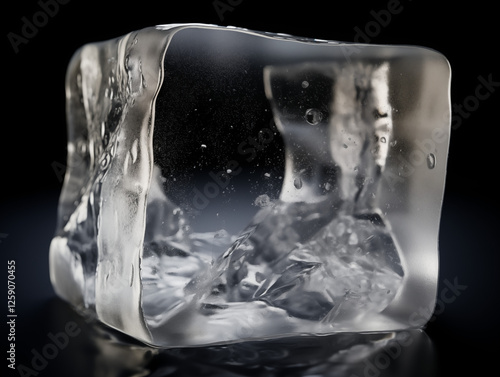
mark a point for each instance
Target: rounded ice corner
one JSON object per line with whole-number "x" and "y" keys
{"x": 225, "y": 184}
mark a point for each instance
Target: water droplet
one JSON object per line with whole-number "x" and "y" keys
{"x": 229, "y": 171}
{"x": 393, "y": 143}
{"x": 431, "y": 160}
{"x": 267, "y": 175}
{"x": 305, "y": 84}
{"x": 313, "y": 116}
{"x": 383, "y": 139}
{"x": 297, "y": 182}
{"x": 203, "y": 146}
{"x": 345, "y": 146}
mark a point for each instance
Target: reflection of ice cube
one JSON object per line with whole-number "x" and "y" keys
{"x": 269, "y": 228}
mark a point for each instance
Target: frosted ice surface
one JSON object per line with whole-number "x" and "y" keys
{"x": 225, "y": 184}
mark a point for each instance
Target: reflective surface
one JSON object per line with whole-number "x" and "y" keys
{"x": 101, "y": 352}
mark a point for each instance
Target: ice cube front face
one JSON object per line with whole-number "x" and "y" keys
{"x": 225, "y": 184}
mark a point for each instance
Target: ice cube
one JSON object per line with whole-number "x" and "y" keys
{"x": 225, "y": 184}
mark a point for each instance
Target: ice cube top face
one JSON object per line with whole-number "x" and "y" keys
{"x": 225, "y": 184}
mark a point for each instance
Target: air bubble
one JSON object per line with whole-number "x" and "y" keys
{"x": 305, "y": 84}
{"x": 383, "y": 139}
{"x": 297, "y": 182}
{"x": 431, "y": 160}
{"x": 313, "y": 116}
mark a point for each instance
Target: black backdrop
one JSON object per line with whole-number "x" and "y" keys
{"x": 33, "y": 140}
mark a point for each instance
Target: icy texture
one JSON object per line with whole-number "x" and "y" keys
{"x": 224, "y": 185}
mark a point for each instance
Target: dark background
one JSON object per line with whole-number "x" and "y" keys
{"x": 33, "y": 145}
